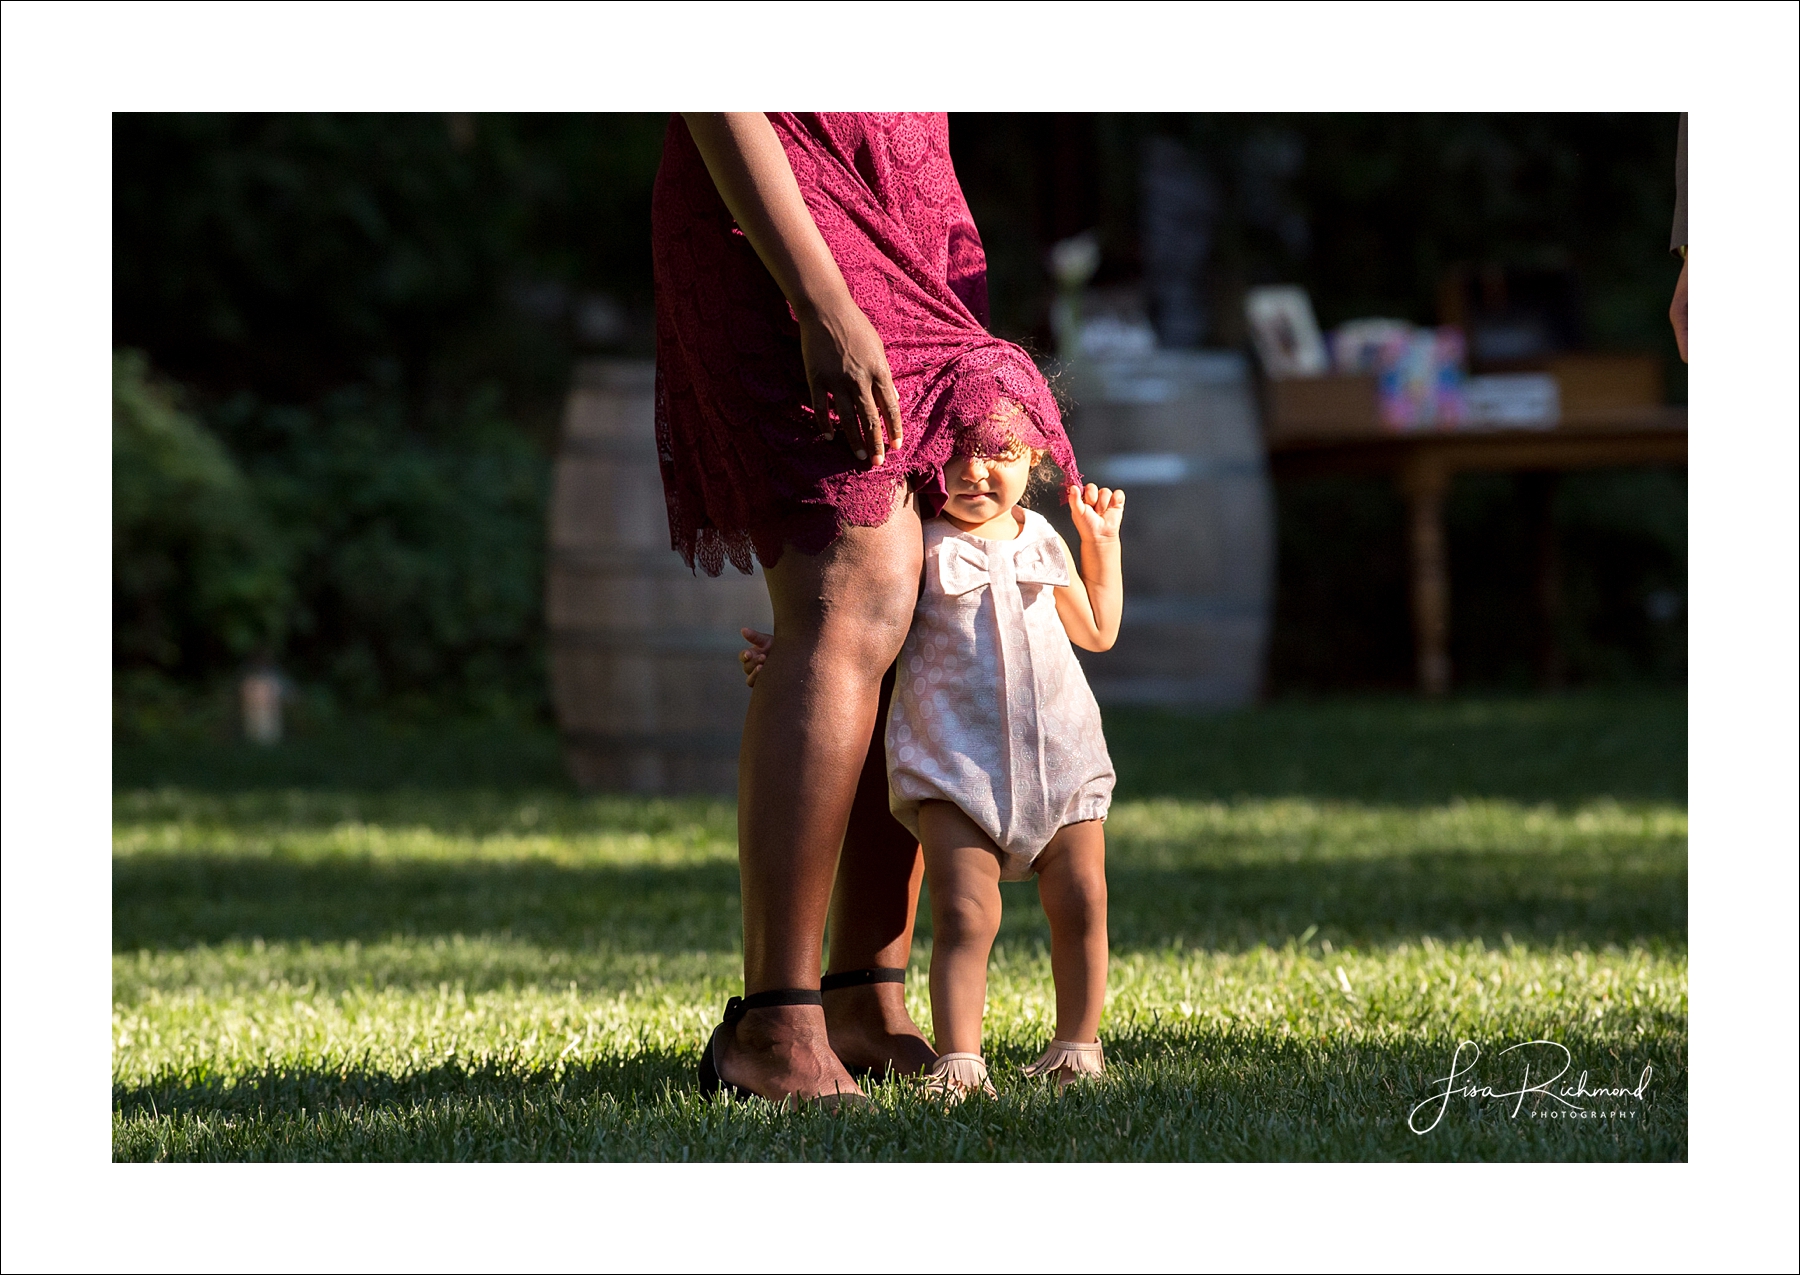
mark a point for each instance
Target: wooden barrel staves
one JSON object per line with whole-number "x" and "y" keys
{"x": 1178, "y": 431}
{"x": 643, "y": 665}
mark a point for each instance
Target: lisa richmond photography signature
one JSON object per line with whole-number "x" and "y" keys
{"x": 1546, "y": 1060}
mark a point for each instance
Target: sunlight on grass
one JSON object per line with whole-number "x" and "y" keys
{"x": 339, "y": 975}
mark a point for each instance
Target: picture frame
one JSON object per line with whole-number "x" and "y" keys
{"x": 1285, "y": 332}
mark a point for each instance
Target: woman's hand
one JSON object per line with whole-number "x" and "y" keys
{"x": 847, "y": 371}
{"x": 1097, "y": 512}
{"x": 846, "y": 367}
{"x": 758, "y": 654}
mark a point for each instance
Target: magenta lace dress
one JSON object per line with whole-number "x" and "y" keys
{"x": 744, "y": 467}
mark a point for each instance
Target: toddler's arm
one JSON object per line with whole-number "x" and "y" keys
{"x": 1090, "y": 609}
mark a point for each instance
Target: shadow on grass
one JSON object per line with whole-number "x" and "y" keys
{"x": 359, "y": 757}
{"x": 1563, "y": 749}
{"x": 170, "y": 901}
{"x": 1173, "y": 1094}
{"x": 1628, "y": 746}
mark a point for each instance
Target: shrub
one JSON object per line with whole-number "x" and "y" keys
{"x": 198, "y": 573}
{"x": 415, "y": 558}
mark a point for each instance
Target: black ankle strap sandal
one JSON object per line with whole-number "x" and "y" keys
{"x": 862, "y": 978}
{"x": 738, "y": 1006}
{"x": 711, "y": 1082}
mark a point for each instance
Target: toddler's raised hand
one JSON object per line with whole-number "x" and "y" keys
{"x": 1097, "y": 512}
{"x": 758, "y": 654}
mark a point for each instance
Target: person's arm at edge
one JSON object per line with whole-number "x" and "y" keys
{"x": 1678, "y": 242}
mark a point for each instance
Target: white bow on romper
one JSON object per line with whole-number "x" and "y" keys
{"x": 991, "y": 711}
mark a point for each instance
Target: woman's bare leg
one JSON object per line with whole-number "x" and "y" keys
{"x": 1071, "y": 876}
{"x": 872, "y": 911}
{"x": 965, "y": 916}
{"x": 840, "y": 616}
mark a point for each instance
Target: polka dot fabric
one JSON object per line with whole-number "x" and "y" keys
{"x": 991, "y": 711}
{"x": 744, "y": 467}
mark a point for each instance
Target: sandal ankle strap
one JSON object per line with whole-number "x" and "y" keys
{"x": 738, "y": 1006}
{"x": 862, "y": 978}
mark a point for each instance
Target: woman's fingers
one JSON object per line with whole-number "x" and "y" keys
{"x": 874, "y": 427}
{"x": 845, "y": 397}
{"x": 821, "y": 401}
{"x": 889, "y": 403}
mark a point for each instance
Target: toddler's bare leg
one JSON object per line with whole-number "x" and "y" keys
{"x": 963, "y": 866}
{"x": 1071, "y": 874}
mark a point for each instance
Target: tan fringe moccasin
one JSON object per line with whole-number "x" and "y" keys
{"x": 1069, "y": 1062}
{"x": 954, "y": 1077}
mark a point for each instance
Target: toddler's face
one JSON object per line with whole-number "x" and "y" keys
{"x": 981, "y": 488}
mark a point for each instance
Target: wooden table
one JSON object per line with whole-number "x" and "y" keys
{"x": 1423, "y": 465}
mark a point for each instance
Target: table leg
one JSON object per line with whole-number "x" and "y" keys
{"x": 1424, "y": 482}
{"x": 1539, "y": 491}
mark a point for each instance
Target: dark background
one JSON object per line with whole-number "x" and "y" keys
{"x": 347, "y": 340}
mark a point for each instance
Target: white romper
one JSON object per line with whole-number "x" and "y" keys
{"x": 991, "y": 711}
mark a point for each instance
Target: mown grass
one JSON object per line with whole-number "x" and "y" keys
{"x": 1311, "y": 907}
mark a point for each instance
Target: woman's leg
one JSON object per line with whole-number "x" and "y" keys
{"x": 840, "y": 616}
{"x": 1071, "y": 876}
{"x": 872, "y": 910}
{"x": 964, "y": 868}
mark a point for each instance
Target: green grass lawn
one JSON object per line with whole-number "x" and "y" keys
{"x": 376, "y": 945}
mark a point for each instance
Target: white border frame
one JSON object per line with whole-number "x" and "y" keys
{"x": 68, "y": 66}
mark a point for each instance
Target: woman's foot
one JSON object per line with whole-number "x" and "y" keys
{"x": 869, "y": 1028}
{"x": 784, "y": 1054}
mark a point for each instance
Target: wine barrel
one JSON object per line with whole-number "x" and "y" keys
{"x": 643, "y": 665}
{"x": 1178, "y": 431}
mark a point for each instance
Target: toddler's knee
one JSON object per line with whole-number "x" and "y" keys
{"x": 1080, "y": 900}
{"x": 966, "y": 919}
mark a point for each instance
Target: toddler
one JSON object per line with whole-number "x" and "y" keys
{"x": 995, "y": 755}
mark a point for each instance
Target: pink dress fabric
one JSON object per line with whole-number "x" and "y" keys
{"x": 744, "y": 467}
{"x": 990, "y": 708}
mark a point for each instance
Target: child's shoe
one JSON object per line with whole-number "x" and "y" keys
{"x": 954, "y": 1077}
{"x": 1068, "y": 1062}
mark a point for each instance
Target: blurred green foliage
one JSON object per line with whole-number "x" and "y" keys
{"x": 381, "y": 567}
{"x": 415, "y": 560}
{"x": 372, "y": 321}
{"x": 429, "y": 258}
{"x": 198, "y": 572}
